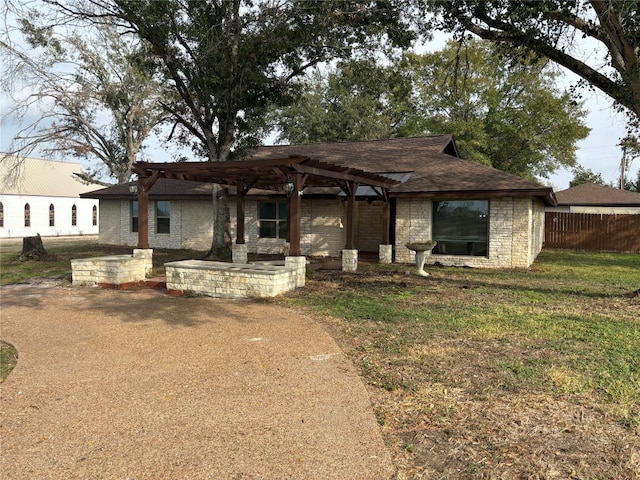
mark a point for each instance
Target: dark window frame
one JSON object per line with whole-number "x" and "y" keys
{"x": 273, "y": 219}
{"x": 134, "y": 213}
{"x": 163, "y": 222}
{"x": 27, "y": 215}
{"x": 461, "y": 227}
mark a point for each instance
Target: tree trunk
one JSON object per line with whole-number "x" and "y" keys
{"x": 32, "y": 249}
{"x": 221, "y": 244}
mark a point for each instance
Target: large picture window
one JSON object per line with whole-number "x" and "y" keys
{"x": 273, "y": 220}
{"x": 461, "y": 227}
{"x": 163, "y": 216}
{"x": 134, "y": 216}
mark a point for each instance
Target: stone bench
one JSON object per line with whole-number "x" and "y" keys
{"x": 112, "y": 271}
{"x": 229, "y": 280}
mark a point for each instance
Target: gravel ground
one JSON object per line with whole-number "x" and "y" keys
{"x": 138, "y": 385}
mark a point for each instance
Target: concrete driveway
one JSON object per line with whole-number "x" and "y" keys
{"x": 138, "y": 385}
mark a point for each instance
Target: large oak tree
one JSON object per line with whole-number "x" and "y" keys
{"x": 229, "y": 60}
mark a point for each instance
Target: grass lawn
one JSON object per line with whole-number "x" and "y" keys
{"x": 497, "y": 373}
{"x": 475, "y": 373}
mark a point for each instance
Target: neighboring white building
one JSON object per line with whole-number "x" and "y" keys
{"x": 43, "y": 197}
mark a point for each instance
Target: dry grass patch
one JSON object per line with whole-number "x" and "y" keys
{"x": 506, "y": 374}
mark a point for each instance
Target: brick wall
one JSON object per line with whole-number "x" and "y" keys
{"x": 515, "y": 235}
{"x": 369, "y": 236}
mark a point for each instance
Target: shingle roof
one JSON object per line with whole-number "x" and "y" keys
{"x": 435, "y": 168}
{"x": 33, "y": 176}
{"x": 590, "y": 194}
{"x": 164, "y": 188}
{"x": 433, "y": 160}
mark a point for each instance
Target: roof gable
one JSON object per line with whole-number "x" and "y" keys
{"x": 591, "y": 194}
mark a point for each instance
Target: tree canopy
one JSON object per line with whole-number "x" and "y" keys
{"x": 598, "y": 40}
{"x": 95, "y": 93}
{"x": 228, "y": 61}
{"x": 509, "y": 115}
{"x": 583, "y": 175}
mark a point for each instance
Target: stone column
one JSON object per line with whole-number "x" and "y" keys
{"x": 239, "y": 253}
{"x": 147, "y": 255}
{"x": 385, "y": 253}
{"x": 299, "y": 264}
{"x": 349, "y": 260}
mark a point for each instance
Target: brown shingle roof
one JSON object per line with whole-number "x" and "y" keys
{"x": 597, "y": 195}
{"x": 436, "y": 169}
{"x": 433, "y": 160}
{"x": 164, "y": 188}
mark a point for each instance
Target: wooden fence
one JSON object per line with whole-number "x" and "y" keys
{"x": 593, "y": 232}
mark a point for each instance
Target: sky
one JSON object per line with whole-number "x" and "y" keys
{"x": 599, "y": 152}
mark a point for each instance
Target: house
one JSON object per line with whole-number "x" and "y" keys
{"x": 593, "y": 198}
{"x": 43, "y": 197}
{"x": 407, "y": 190}
{"x": 591, "y": 217}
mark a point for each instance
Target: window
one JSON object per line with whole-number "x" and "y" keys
{"x": 163, "y": 216}
{"x": 52, "y": 215}
{"x": 1, "y": 215}
{"x": 27, "y": 215}
{"x": 94, "y": 220}
{"x": 273, "y": 220}
{"x": 461, "y": 227}
{"x": 134, "y": 216}
{"x": 74, "y": 216}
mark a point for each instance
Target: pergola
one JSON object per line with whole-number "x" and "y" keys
{"x": 267, "y": 174}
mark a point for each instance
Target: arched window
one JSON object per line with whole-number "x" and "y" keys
{"x": 1, "y": 215}
{"x": 95, "y": 216}
{"x": 74, "y": 216}
{"x": 52, "y": 215}
{"x": 27, "y": 215}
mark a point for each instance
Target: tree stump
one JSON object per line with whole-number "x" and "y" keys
{"x": 32, "y": 249}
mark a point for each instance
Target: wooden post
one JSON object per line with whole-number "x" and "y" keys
{"x": 240, "y": 212}
{"x": 351, "y": 215}
{"x": 295, "y": 209}
{"x": 386, "y": 221}
{"x": 143, "y": 214}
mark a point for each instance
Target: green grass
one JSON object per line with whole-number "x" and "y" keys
{"x": 567, "y": 331}
{"x": 522, "y": 373}
{"x": 8, "y": 359}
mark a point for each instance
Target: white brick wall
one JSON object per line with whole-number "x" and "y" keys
{"x": 516, "y": 229}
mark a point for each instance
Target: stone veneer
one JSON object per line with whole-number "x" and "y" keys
{"x": 112, "y": 271}
{"x": 229, "y": 280}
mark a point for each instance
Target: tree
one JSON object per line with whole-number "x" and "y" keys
{"x": 583, "y": 175}
{"x": 228, "y": 61}
{"x": 98, "y": 99}
{"x": 356, "y": 100}
{"x": 554, "y": 28}
{"x": 630, "y": 151}
{"x": 506, "y": 114}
